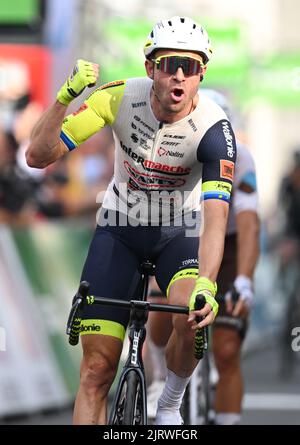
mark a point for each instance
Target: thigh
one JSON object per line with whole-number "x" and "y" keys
{"x": 224, "y": 321}
{"x": 101, "y": 353}
{"x": 111, "y": 270}
{"x": 177, "y": 263}
{"x": 226, "y": 343}
{"x": 228, "y": 269}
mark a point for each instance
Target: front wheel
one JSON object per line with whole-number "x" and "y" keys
{"x": 196, "y": 405}
{"x": 129, "y": 406}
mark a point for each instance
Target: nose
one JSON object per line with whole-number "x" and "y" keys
{"x": 179, "y": 74}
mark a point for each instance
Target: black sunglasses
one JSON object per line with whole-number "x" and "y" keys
{"x": 170, "y": 65}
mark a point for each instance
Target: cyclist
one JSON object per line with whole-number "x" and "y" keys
{"x": 167, "y": 139}
{"x": 238, "y": 264}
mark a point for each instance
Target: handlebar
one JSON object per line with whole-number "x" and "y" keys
{"x": 82, "y": 298}
{"x": 172, "y": 308}
{"x": 201, "y": 336}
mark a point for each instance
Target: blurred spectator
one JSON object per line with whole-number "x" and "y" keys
{"x": 71, "y": 185}
{"x": 288, "y": 247}
{"x": 67, "y": 189}
{"x": 16, "y": 186}
{"x": 290, "y": 199}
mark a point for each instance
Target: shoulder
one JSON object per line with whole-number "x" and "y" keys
{"x": 132, "y": 87}
{"x": 245, "y": 172}
{"x": 244, "y": 161}
{"x": 244, "y": 155}
{"x": 115, "y": 87}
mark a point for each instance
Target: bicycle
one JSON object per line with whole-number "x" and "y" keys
{"x": 129, "y": 405}
{"x": 198, "y": 401}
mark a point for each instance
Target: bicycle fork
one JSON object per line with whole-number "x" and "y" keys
{"x": 134, "y": 362}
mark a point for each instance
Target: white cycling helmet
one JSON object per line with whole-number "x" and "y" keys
{"x": 179, "y": 33}
{"x": 219, "y": 98}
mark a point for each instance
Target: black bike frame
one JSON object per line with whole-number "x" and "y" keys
{"x": 139, "y": 311}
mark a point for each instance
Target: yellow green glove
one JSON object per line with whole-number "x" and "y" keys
{"x": 83, "y": 75}
{"x": 206, "y": 288}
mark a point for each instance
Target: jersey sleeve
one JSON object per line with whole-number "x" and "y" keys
{"x": 217, "y": 153}
{"x": 100, "y": 109}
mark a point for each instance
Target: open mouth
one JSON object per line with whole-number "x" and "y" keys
{"x": 177, "y": 94}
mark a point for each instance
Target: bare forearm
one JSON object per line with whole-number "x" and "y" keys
{"x": 211, "y": 246}
{"x": 45, "y": 145}
{"x": 248, "y": 243}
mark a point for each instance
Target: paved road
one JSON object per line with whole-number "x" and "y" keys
{"x": 269, "y": 400}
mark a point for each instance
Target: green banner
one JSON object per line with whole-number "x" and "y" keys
{"x": 19, "y": 11}
{"x": 53, "y": 256}
{"x": 126, "y": 59}
{"x": 275, "y": 79}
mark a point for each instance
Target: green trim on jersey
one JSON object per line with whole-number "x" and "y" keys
{"x": 99, "y": 109}
{"x": 102, "y": 327}
{"x": 185, "y": 273}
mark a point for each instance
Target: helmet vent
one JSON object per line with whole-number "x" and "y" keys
{"x": 194, "y": 26}
{"x": 170, "y": 23}
{"x": 152, "y": 34}
{"x": 182, "y": 19}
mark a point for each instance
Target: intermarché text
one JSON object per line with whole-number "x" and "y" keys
{"x": 151, "y": 434}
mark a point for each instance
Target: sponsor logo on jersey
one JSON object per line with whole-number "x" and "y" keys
{"x": 152, "y": 182}
{"x": 139, "y": 104}
{"x": 190, "y": 261}
{"x": 93, "y": 327}
{"x": 171, "y": 169}
{"x": 111, "y": 84}
{"x": 171, "y": 143}
{"x": 153, "y": 166}
{"x": 226, "y": 169}
{"x": 134, "y": 137}
{"x": 174, "y": 136}
{"x": 132, "y": 154}
{"x": 192, "y": 124}
{"x": 144, "y": 145}
{"x": 82, "y": 108}
{"x": 229, "y": 139}
{"x": 164, "y": 152}
{"x": 144, "y": 124}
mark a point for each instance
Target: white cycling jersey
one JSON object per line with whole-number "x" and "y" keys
{"x": 244, "y": 189}
{"x": 157, "y": 162}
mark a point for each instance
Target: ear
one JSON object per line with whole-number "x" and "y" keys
{"x": 149, "y": 65}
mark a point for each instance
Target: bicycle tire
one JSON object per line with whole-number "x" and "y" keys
{"x": 132, "y": 403}
{"x": 206, "y": 390}
{"x": 196, "y": 404}
{"x": 185, "y": 406}
{"x": 129, "y": 408}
